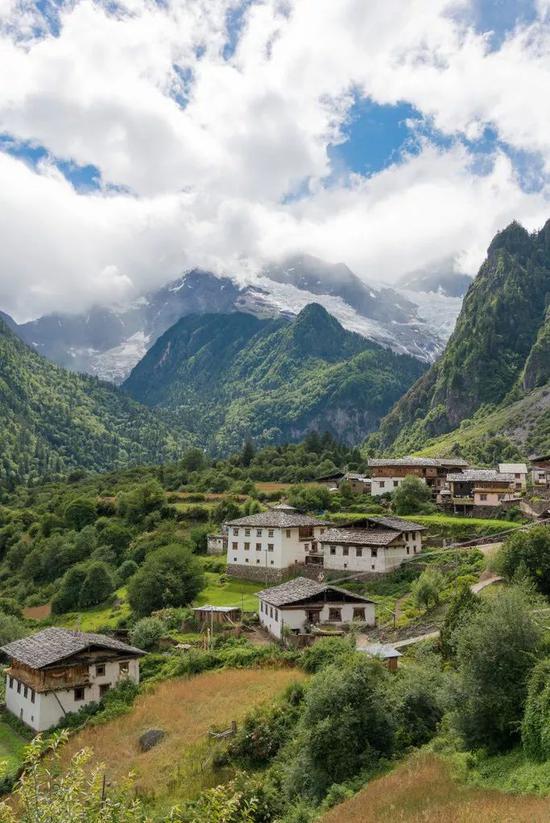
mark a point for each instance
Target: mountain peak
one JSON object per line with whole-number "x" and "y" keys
{"x": 514, "y": 239}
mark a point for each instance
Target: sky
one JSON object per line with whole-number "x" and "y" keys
{"x": 139, "y": 139}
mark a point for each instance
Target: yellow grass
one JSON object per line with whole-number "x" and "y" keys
{"x": 422, "y": 790}
{"x": 179, "y": 767}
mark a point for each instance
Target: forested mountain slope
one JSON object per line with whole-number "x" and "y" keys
{"x": 498, "y": 350}
{"x": 228, "y": 377}
{"x": 52, "y": 420}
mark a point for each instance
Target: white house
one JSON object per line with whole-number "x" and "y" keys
{"x": 56, "y": 672}
{"x": 301, "y": 603}
{"x": 520, "y": 472}
{"x": 372, "y": 544}
{"x": 264, "y": 546}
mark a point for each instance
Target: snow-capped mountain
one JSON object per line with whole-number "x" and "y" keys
{"x": 108, "y": 342}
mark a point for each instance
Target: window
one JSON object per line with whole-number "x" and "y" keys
{"x": 235, "y": 531}
{"x": 247, "y": 547}
{"x": 124, "y": 666}
{"x": 247, "y": 532}
{"x": 395, "y": 483}
{"x": 335, "y": 614}
{"x": 235, "y": 545}
{"x": 270, "y": 611}
{"x": 306, "y": 547}
{"x": 32, "y": 695}
{"x": 258, "y": 547}
{"x": 483, "y": 497}
{"x": 79, "y": 694}
{"x": 270, "y": 547}
{"x": 288, "y": 533}
{"x": 345, "y": 551}
{"x": 333, "y": 549}
{"x": 408, "y": 550}
{"x": 276, "y": 615}
{"x": 374, "y": 552}
{"x": 246, "y": 560}
{"x": 258, "y": 532}
{"x": 272, "y": 562}
{"x": 359, "y": 613}
{"x": 103, "y": 689}
{"x": 25, "y": 691}
{"x": 270, "y": 533}
{"x": 100, "y": 669}
{"x": 382, "y": 484}
{"x": 258, "y": 560}
{"x": 18, "y": 687}
{"x": 234, "y": 560}
{"x": 345, "y": 565}
{"x": 358, "y": 552}
{"x": 11, "y": 682}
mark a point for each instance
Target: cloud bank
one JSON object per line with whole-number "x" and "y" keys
{"x": 141, "y": 139}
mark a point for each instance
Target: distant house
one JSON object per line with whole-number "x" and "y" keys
{"x": 382, "y": 651}
{"x": 302, "y": 603}
{"x": 359, "y": 483}
{"x": 266, "y": 545}
{"x": 216, "y": 543}
{"x": 371, "y": 544}
{"x": 56, "y": 672}
{"x": 520, "y": 472}
{"x": 485, "y": 488}
{"x": 388, "y": 473}
{"x": 540, "y": 471}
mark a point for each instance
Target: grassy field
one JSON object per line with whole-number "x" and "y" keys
{"x": 422, "y": 789}
{"x": 179, "y": 767}
{"x": 489, "y": 525}
{"x": 98, "y": 617}
{"x": 11, "y": 749}
{"x": 232, "y": 592}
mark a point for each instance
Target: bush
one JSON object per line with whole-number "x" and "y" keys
{"x": 425, "y": 590}
{"x": 531, "y": 550}
{"x": 67, "y": 598}
{"x": 412, "y": 497}
{"x": 146, "y": 633}
{"x": 80, "y": 512}
{"x": 11, "y": 628}
{"x": 171, "y": 576}
{"x": 535, "y": 730}
{"x": 127, "y": 569}
{"x": 325, "y": 652}
{"x": 97, "y": 585}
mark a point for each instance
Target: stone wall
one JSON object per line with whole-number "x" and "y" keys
{"x": 257, "y": 573}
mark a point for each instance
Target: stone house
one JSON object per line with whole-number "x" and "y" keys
{"x": 374, "y": 545}
{"x": 520, "y": 472}
{"x": 540, "y": 472}
{"x": 300, "y": 604}
{"x": 56, "y": 672}
{"x": 266, "y": 545}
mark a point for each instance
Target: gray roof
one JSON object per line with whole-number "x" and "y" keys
{"x": 397, "y": 523}
{"x": 417, "y": 461}
{"x": 282, "y": 516}
{"x": 359, "y": 537}
{"x": 220, "y": 609}
{"x": 300, "y": 588}
{"x": 381, "y": 650}
{"x": 513, "y": 468}
{"x": 54, "y": 645}
{"x": 480, "y": 475}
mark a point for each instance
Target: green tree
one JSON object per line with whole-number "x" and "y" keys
{"x": 76, "y": 794}
{"x": 531, "y": 550}
{"x": 412, "y": 497}
{"x": 146, "y": 633}
{"x": 170, "y": 576}
{"x": 68, "y": 596}
{"x": 136, "y": 504}
{"x": 496, "y": 651}
{"x": 345, "y": 727}
{"x": 97, "y": 586}
{"x": 80, "y": 512}
{"x": 11, "y": 628}
{"x": 461, "y": 609}
{"x": 425, "y": 589}
{"x": 127, "y": 569}
{"x": 247, "y": 454}
{"x": 535, "y": 729}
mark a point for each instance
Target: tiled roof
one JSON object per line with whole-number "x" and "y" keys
{"x": 283, "y": 517}
{"x": 359, "y": 537}
{"x": 301, "y": 588}
{"x": 397, "y": 523}
{"x": 417, "y": 461}
{"x": 52, "y": 645}
{"x": 512, "y": 468}
{"x": 480, "y": 475}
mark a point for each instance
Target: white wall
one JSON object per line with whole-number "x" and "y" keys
{"x": 287, "y": 549}
{"x": 382, "y": 485}
{"x": 273, "y": 620}
{"x": 46, "y": 710}
{"x": 387, "y": 557}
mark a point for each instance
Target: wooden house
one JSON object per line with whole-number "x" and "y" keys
{"x": 56, "y": 672}
{"x": 388, "y": 473}
{"x": 482, "y": 488}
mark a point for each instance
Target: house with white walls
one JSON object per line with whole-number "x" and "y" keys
{"x": 300, "y": 604}
{"x": 520, "y": 472}
{"x": 56, "y": 672}
{"x": 266, "y": 545}
{"x": 372, "y": 544}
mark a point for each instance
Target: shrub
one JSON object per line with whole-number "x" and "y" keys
{"x": 146, "y": 633}
{"x": 68, "y": 596}
{"x": 425, "y": 590}
{"x": 530, "y": 549}
{"x": 412, "y": 497}
{"x": 535, "y": 730}
{"x": 97, "y": 585}
{"x": 171, "y": 576}
{"x": 11, "y": 628}
{"x": 80, "y": 512}
{"x": 325, "y": 652}
{"x": 127, "y": 569}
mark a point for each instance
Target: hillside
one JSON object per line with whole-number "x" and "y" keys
{"x": 229, "y": 377}
{"x": 53, "y": 420}
{"x": 497, "y": 352}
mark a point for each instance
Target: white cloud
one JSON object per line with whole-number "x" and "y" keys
{"x": 210, "y": 147}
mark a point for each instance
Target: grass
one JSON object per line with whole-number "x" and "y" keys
{"x": 180, "y": 766}
{"x": 11, "y": 749}
{"x": 422, "y": 789}
{"x": 99, "y": 617}
{"x": 231, "y": 592}
{"x": 511, "y": 772}
{"x": 490, "y": 525}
